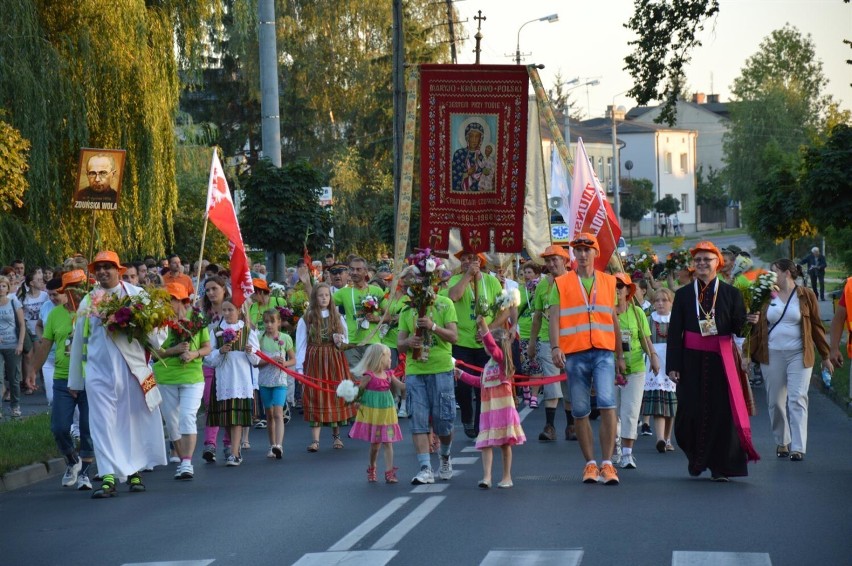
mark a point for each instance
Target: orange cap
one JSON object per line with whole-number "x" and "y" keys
{"x": 110, "y": 257}
{"x": 553, "y": 250}
{"x": 482, "y": 259}
{"x": 584, "y": 239}
{"x": 631, "y": 286}
{"x": 72, "y": 278}
{"x": 260, "y": 284}
{"x": 177, "y": 291}
{"x": 707, "y": 246}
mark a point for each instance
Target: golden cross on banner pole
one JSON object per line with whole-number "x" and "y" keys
{"x": 478, "y": 36}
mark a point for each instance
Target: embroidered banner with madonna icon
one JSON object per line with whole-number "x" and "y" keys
{"x": 473, "y": 149}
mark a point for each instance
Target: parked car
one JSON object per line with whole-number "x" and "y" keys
{"x": 622, "y": 247}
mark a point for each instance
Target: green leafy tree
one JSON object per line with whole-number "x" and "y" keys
{"x": 666, "y": 34}
{"x": 667, "y": 205}
{"x": 14, "y": 149}
{"x": 281, "y": 206}
{"x": 710, "y": 188}
{"x": 827, "y": 189}
{"x": 637, "y": 198}
{"x": 778, "y": 100}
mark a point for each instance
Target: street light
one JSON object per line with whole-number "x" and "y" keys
{"x": 549, "y": 19}
{"x": 594, "y": 82}
{"x": 615, "y": 164}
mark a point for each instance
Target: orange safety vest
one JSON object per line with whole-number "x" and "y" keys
{"x": 585, "y": 326}
{"x": 753, "y": 274}
{"x": 847, "y": 293}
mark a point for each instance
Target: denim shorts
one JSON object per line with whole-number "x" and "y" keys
{"x": 583, "y": 369}
{"x": 551, "y": 390}
{"x": 431, "y": 395}
{"x": 273, "y": 396}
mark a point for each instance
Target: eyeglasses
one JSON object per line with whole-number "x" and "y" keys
{"x": 620, "y": 286}
{"x": 337, "y": 271}
{"x": 583, "y": 242}
{"x": 104, "y": 266}
{"x": 703, "y": 259}
{"x": 96, "y": 174}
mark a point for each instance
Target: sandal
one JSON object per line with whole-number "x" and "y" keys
{"x": 107, "y": 489}
{"x": 796, "y": 456}
{"x": 278, "y": 451}
{"x": 371, "y": 474}
{"x": 245, "y": 445}
{"x": 135, "y": 483}
{"x": 313, "y": 446}
{"x": 337, "y": 444}
{"x": 782, "y": 451}
{"x": 390, "y": 475}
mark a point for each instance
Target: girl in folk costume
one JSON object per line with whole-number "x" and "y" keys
{"x": 377, "y": 421}
{"x": 273, "y": 380}
{"x": 318, "y": 337}
{"x": 233, "y": 359}
{"x": 215, "y": 294}
{"x": 659, "y": 400}
{"x": 499, "y": 423}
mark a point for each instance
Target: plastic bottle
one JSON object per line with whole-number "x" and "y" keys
{"x": 826, "y": 378}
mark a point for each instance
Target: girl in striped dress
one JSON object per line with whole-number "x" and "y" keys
{"x": 236, "y": 378}
{"x": 318, "y": 337}
{"x": 499, "y": 422}
{"x": 376, "y": 421}
{"x": 660, "y": 399}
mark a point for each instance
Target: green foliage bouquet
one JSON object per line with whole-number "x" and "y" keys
{"x": 135, "y": 316}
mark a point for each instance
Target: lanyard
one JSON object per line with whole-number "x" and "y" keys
{"x": 594, "y": 292}
{"x": 700, "y": 309}
{"x": 483, "y": 288}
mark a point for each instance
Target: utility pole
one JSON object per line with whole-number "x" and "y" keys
{"x": 478, "y": 36}
{"x": 269, "y": 106}
{"x": 398, "y": 48}
{"x": 452, "y": 30}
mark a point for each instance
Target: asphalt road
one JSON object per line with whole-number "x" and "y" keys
{"x": 318, "y": 509}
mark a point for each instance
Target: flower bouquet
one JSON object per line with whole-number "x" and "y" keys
{"x": 637, "y": 265}
{"x": 287, "y": 315}
{"x": 298, "y": 301}
{"x": 422, "y": 277}
{"x": 506, "y": 299}
{"x": 349, "y": 391}
{"x": 677, "y": 260}
{"x": 228, "y": 336}
{"x": 135, "y": 316}
{"x": 757, "y": 294}
{"x": 370, "y": 304}
{"x": 186, "y": 329}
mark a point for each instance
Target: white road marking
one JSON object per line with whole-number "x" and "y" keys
{"x": 352, "y": 558}
{"x": 359, "y": 532}
{"x": 402, "y": 528}
{"x": 532, "y": 558}
{"x": 431, "y": 488}
{"x": 202, "y": 562}
{"x": 464, "y": 460}
{"x": 524, "y": 413}
{"x": 469, "y": 449}
{"x": 697, "y": 558}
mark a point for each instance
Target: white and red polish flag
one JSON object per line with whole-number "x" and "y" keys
{"x": 221, "y": 212}
{"x": 590, "y": 211}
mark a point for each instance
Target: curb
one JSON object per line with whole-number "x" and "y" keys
{"x": 31, "y": 474}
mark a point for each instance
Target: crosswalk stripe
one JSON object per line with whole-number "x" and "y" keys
{"x": 464, "y": 460}
{"x": 698, "y": 558}
{"x": 350, "y": 558}
{"x": 359, "y": 532}
{"x": 431, "y": 487}
{"x": 202, "y": 562}
{"x": 532, "y": 558}
{"x": 402, "y": 528}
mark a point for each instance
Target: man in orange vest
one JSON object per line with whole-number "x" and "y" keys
{"x": 584, "y": 325}
{"x": 842, "y": 319}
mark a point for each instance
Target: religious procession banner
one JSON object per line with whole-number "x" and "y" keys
{"x": 99, "y": 179}
{"x": 473, "y": 138}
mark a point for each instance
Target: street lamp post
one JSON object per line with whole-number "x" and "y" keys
{"x": 549, "y": 19}
{"x": 615, "y": 164}
{"x": 567, "y": 125}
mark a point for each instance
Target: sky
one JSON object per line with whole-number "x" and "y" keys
{"x": 590, "y": 42}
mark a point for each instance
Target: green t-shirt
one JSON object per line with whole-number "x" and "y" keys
{"x": 546, "y": 294}
{"x": 525, "y": 312}
{"x": 172, "y": 371}
{"x": 256, "y": 311}
{"x": 350, "y": 299}
{"x": 629, "y": 322}
{"x": 489, "y": 287}
{"x": 393, "y": 327}
{"x": 440, "y": 359}
{"x": 58, "y": 328}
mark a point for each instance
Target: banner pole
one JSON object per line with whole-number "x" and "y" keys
{"x": 200, "y": 257}
{"x": 546, "y": 112}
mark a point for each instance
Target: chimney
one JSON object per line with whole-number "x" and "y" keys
{"x": 620, "y": 112}
{"x": 698, "y": 98}
{"x": 713, "y": 99}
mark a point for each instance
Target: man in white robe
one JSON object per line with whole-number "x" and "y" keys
{"x": 126, "y": 433}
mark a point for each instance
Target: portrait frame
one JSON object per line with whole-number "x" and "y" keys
{"x": 110, "y": 164}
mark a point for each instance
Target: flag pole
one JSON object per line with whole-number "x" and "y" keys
{"x": 201, "y": 257}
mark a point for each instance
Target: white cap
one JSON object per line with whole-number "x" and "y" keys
{"x": 814, "y": 249}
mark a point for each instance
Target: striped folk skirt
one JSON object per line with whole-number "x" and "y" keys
{"x": 658, "y": 403}
{"x": 325, "y": 408}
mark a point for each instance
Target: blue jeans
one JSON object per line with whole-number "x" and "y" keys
{"x": 431, "y": 395}
{"x": 583, "y": 369}
{"x": 10, "y": 367}
{"x": 62, "y": 416}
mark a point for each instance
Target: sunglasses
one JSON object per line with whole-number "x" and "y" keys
{"x": 104, "y": 266}
{"x": 620, "y": 286}
{"x": 337, "y": 271}
{"x": 582, "y": 242}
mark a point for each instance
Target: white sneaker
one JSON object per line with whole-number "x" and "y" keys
{"x": 71, "y": 471}
{"x": 270, "y": 454}
{"x": 402, "y": 413}
{"x": 233, "y": 461}
{"x": 445, "y": 472}
{"x": 628, "y": 462}
{"x": 83, "y": 482}
{"x": 174, "y": 459}
{"x": 423, "y": 477}
{"x": 187, "y": 472}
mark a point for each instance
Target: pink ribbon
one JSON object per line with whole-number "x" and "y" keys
{"x": 724, "y": 346}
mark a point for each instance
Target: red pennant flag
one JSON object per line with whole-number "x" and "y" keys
{"x": 221, "y": 212}
{"x": 590, "y": 211}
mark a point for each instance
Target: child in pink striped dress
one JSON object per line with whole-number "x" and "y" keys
{"x": 499, "y": 422}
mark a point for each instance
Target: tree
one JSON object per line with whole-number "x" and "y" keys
{"x": 281, "y": 206}
{"x": 668, "y": 205}
{"x": 13, "y": 166}
{"x": 710, "y": 189}
{"x": 778, "y": 101}
{"x": 666, "y": 31}
{"x": 827, "y": 189}
{"x": 637, "y": 198}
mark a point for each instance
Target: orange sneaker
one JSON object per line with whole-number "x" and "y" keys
{"x": 591, "y": 473}
{"x": 609, "y": 475}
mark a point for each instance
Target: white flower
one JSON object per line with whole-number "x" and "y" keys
{"x": 430, "y": 265}
{"x": 365, "y": 324}
{"x": 516, "y": 297}
{"x": 347, "y": 390}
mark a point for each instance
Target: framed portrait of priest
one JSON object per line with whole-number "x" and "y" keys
{"x": 99, "y": 179}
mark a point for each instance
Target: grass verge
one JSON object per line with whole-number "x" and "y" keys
{"x": 26, "y": 441}
{"x": 839, "y": 391}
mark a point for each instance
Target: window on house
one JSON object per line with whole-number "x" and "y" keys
{"x": 668, "y": 162}
{"x": 684, "y": 163}
{"x": 684, "y": 202}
